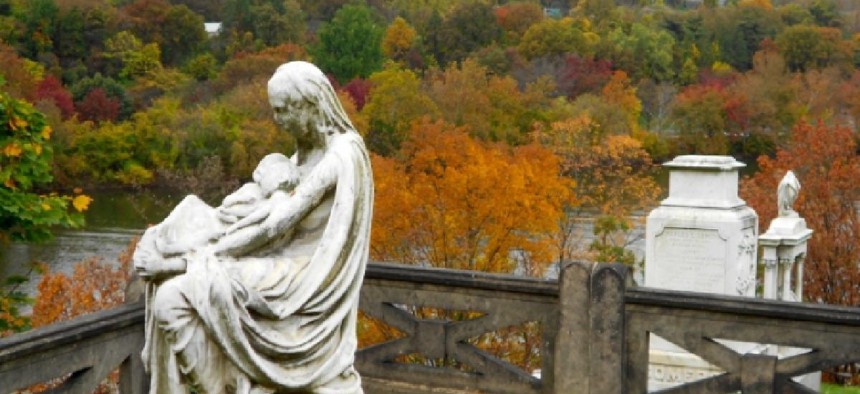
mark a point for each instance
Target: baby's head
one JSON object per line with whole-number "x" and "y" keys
{"x": 276, "y": 172}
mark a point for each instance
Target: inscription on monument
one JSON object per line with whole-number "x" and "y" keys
{"x": 689, "y": 259}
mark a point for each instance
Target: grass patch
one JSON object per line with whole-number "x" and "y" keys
{"x": 827, "y": 388}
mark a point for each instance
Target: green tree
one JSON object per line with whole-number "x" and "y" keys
{"x": 40, "y": 19}
{"x": 183, "y": 34}
{"x": 645, "y": 52}
{"x": 470, "y": 26}
{"x": 806, "y": 47}
{"x": 69, "y": 41}
{"x": 202, "y": 67}
{"x": 137, "y": 59}
{"x": 350, "y": 45}
{"x": 739, "y": 32}
{"x": 826, "y": 13}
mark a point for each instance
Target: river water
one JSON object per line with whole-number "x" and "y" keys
{"x": 113, "y": 220}
{"x": 117, "y": 217}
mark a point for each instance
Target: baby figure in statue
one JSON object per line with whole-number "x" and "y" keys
{"x": 193, "y": 223}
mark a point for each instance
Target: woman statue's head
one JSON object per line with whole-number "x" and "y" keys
{"x": 299, "y": 92}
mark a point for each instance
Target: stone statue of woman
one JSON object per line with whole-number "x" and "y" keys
{"x": 268, "y": 304}
{"x": 786, "y": 195}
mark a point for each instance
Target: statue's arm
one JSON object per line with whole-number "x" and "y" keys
{"x": 285, "y": 211}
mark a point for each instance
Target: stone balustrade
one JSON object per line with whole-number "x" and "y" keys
{"x": 594, "y": 334}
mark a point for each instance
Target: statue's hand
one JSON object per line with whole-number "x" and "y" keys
{"x": 253, "y": 230}
{"x": 256, "y": 216}
{"x": 151, "y": 265}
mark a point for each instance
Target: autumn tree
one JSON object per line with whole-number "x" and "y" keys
{"x": 17, "y": 75}
{"x": 350, "y": 45}
{"x": 96, "y": 106}
{"x": 456, "y": 202}
{"x": 398, "y": 40}
{"x": 614, "y": 111}
{"x": 492, "y": 106}
{"x": 808, "y": 47}
{"x": 246, "y": 67}
{"x": 113, "y": 90}
{"x": 94, "y": 285}
{"x": 583, "y": 75}
{"x": 358, "y": 90}
{"x": 396, "y": 101}
{"x": 701, "y": 115}
{"x": 612, "y": 179}
{"x": 515, "y": 18}
{"x": 271, "y": 22}
{"x": 825, "y": 160}
{"x": 769, "y": 93}
{"x": 52, "y": 90}
{"x": 555, "y": 37}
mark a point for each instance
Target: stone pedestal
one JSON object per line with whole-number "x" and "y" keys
{"x": 783, "y": 253}
{"x": 701, "y": 238}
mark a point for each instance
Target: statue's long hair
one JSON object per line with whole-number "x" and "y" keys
{"x": 304, "y": 81}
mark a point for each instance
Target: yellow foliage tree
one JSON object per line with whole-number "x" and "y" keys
{"x": 456, "y": 202}
{"x": 398, "y": 39}
{"x": 396, "y": 99}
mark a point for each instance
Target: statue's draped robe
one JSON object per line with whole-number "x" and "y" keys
{"x": 284, "y": 315}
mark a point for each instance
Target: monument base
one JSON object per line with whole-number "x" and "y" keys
{"x": 669, "y": 369}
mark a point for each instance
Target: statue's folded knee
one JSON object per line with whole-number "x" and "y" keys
{"x": 168, "y": 301}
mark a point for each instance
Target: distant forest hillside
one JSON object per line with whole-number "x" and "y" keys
{"x": 493, "y": 124}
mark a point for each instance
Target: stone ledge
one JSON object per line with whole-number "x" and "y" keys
{"x": 380, "y": 386}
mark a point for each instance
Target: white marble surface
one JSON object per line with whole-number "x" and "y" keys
{"x": 260, "y": 295}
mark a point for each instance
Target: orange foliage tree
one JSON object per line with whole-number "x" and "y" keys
{"x": 455, "y": 202}
{"x": 825, "y": 160}
{"x": 93, "y": 286}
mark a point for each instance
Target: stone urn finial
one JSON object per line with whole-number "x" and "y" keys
{"x": 786, "y": 195}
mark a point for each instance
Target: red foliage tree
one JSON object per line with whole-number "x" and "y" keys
{"x": 358, "y": 90}
{"x": 825, "y": 161}
{"x": 583, "y": 75}
{"x": 51, "y": 89}
{"x": 98, "y": 107}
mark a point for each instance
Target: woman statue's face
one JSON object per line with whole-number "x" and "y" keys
{"x": 296, "y": 117}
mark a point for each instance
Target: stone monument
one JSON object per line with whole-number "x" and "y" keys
{"x": 260, "y": 294}
{"x": 701, "y": 238}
